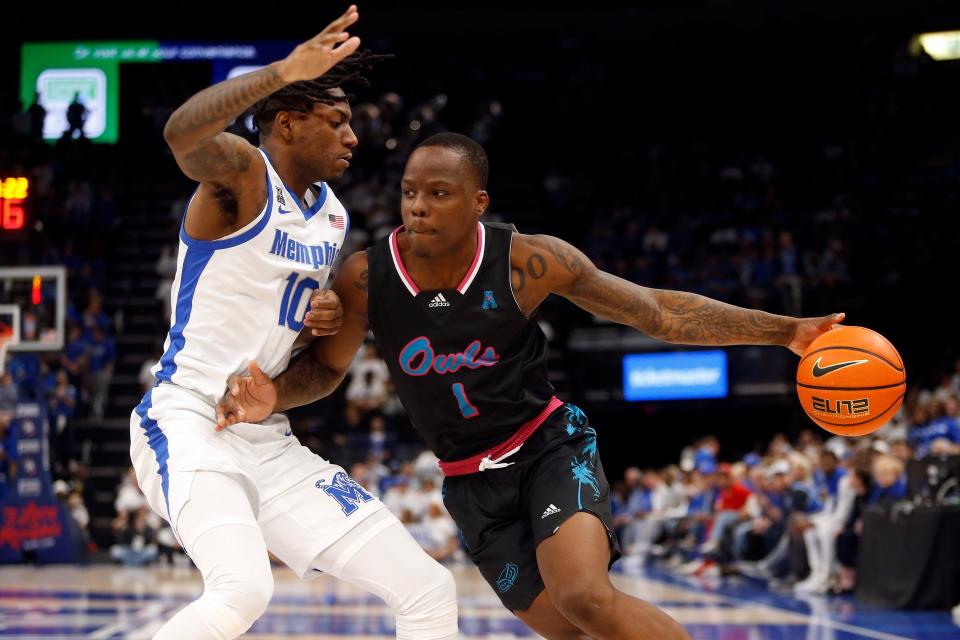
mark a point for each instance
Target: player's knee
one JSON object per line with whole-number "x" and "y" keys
{"x": 429, "y": 609}
{"x": 435, "y": 590}
{"x": 246, "y": 590}
{"x": 252, "y": 599}
{"x": 586, "y": 603}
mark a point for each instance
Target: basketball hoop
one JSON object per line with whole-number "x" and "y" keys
{"x": 9, "y": 331}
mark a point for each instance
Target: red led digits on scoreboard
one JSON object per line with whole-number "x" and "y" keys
{"x": 13, "y": 191}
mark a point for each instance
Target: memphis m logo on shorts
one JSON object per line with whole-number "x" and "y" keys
{"x": 345, "y": 490}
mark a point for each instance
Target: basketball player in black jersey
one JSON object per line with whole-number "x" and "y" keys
{"x": 451, "y": 302}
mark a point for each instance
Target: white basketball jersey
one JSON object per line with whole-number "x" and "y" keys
{"x": 244, "y": 297}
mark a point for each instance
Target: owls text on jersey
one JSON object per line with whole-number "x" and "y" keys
{"x": 244, "y": 297}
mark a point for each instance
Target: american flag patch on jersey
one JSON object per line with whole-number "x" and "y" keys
{"x": 337, "y": 222}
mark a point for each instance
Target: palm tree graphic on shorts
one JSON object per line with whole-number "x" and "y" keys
{"x": 583, "y": 474}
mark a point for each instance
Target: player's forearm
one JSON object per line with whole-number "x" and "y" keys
{"x": 210, "y": 111}
{"x": 306, "y": 380}
{"x": 678, "y": 316}
{"x": 689, "y": 318}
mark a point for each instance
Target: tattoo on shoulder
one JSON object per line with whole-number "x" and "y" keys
{"x": 536, "y": 266}
{"x": 363, "y": 280}
{"x": 566, "y": 255}
{"x": 518, "y": 279}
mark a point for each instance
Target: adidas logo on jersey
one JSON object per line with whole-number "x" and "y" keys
{"x": 438, "y": 301}
{"x": 552, "y": 509}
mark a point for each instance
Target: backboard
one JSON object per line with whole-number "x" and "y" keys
{"x": 33, "y": 307}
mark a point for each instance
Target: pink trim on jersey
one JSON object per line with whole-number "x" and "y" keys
{"x": 398, "y": 263}
{"x": 467, "y": 278}
{"x": 475, "y": 266}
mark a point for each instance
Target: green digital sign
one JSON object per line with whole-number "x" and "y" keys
{"x": 88, "y": 71}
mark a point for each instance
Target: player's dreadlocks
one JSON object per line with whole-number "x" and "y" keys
{"x": 301, "y": 96}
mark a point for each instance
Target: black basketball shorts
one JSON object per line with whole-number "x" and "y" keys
{"x": 505, "y": 513}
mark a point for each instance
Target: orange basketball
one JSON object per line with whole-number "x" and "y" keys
{"x": 851, "y": 381}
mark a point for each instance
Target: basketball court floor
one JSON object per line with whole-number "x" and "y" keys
{"x": 116, "y": 602}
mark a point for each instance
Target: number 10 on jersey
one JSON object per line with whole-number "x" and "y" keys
{"x": 292, "y": 295}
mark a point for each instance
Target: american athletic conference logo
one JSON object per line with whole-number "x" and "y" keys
{"x": 508, "y": 577}
{"x": 346, "y": 491}
{"x": 489, "y": 302}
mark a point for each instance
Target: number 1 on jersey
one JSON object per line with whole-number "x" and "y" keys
{"x": 467, "y": 410}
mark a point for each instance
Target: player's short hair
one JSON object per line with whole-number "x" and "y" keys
{"x": 468, "y": 148}
{"x": 301, "y": 96}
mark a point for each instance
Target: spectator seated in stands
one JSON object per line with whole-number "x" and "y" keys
{"x": 729, "y": 508}
{"x": 766, "y": 535}
{"x": 932, "y": 422}
{"x": 889, "y": 481}
{"x": 690, "y": 530}
{"x": 135, "y": 540}
{"x": 651, "y": 508}
{"x": 79, "y": 517}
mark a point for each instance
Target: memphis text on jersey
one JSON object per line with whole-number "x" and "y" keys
{"x": 319, "y": 255}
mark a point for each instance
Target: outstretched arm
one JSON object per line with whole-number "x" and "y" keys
{"x": 316, "y": 371}
{"x": 543, "y": 265}
{"x": 229, "y": 169}
{"x": 194, "y": 130}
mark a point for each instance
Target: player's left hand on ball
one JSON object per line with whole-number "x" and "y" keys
{"x": 325, "y": 316}
{"x": 809, "y": 329}
{"x": 248, "y": 399}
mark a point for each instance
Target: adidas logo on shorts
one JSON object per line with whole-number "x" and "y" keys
{"x": 438, "y": 301}
{"x": 552, "y": 509}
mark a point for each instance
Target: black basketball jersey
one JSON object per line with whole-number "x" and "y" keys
{"x": 469, "y": 368}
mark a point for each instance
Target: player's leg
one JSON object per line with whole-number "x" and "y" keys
{"x": 502, "y": 546}
{"x": 544, "y": 618}
{"x": 219, "y": 531}
{"x": 568, "y": 505}
{"x": 381, "y": 557}
{"x": 327, "y": 522}
{"x": 574, "y": 565}
{"x": 211, "y": 512}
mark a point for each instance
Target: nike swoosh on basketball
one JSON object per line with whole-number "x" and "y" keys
{"x": 282, "y": 210}
{"x": 819, "y": 371}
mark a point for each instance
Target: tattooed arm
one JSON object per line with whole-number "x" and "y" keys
{"x": 542, "y": 265}
{"x": 229, "y": 169}
{"x": 316, "y": 371}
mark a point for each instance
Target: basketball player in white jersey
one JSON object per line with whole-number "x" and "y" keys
{"x": 258, "y": 238}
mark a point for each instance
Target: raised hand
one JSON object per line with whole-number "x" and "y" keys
{"x": 325, "y": 50}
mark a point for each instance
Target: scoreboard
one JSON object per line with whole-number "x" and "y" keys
{"x": 13, "y": 197}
